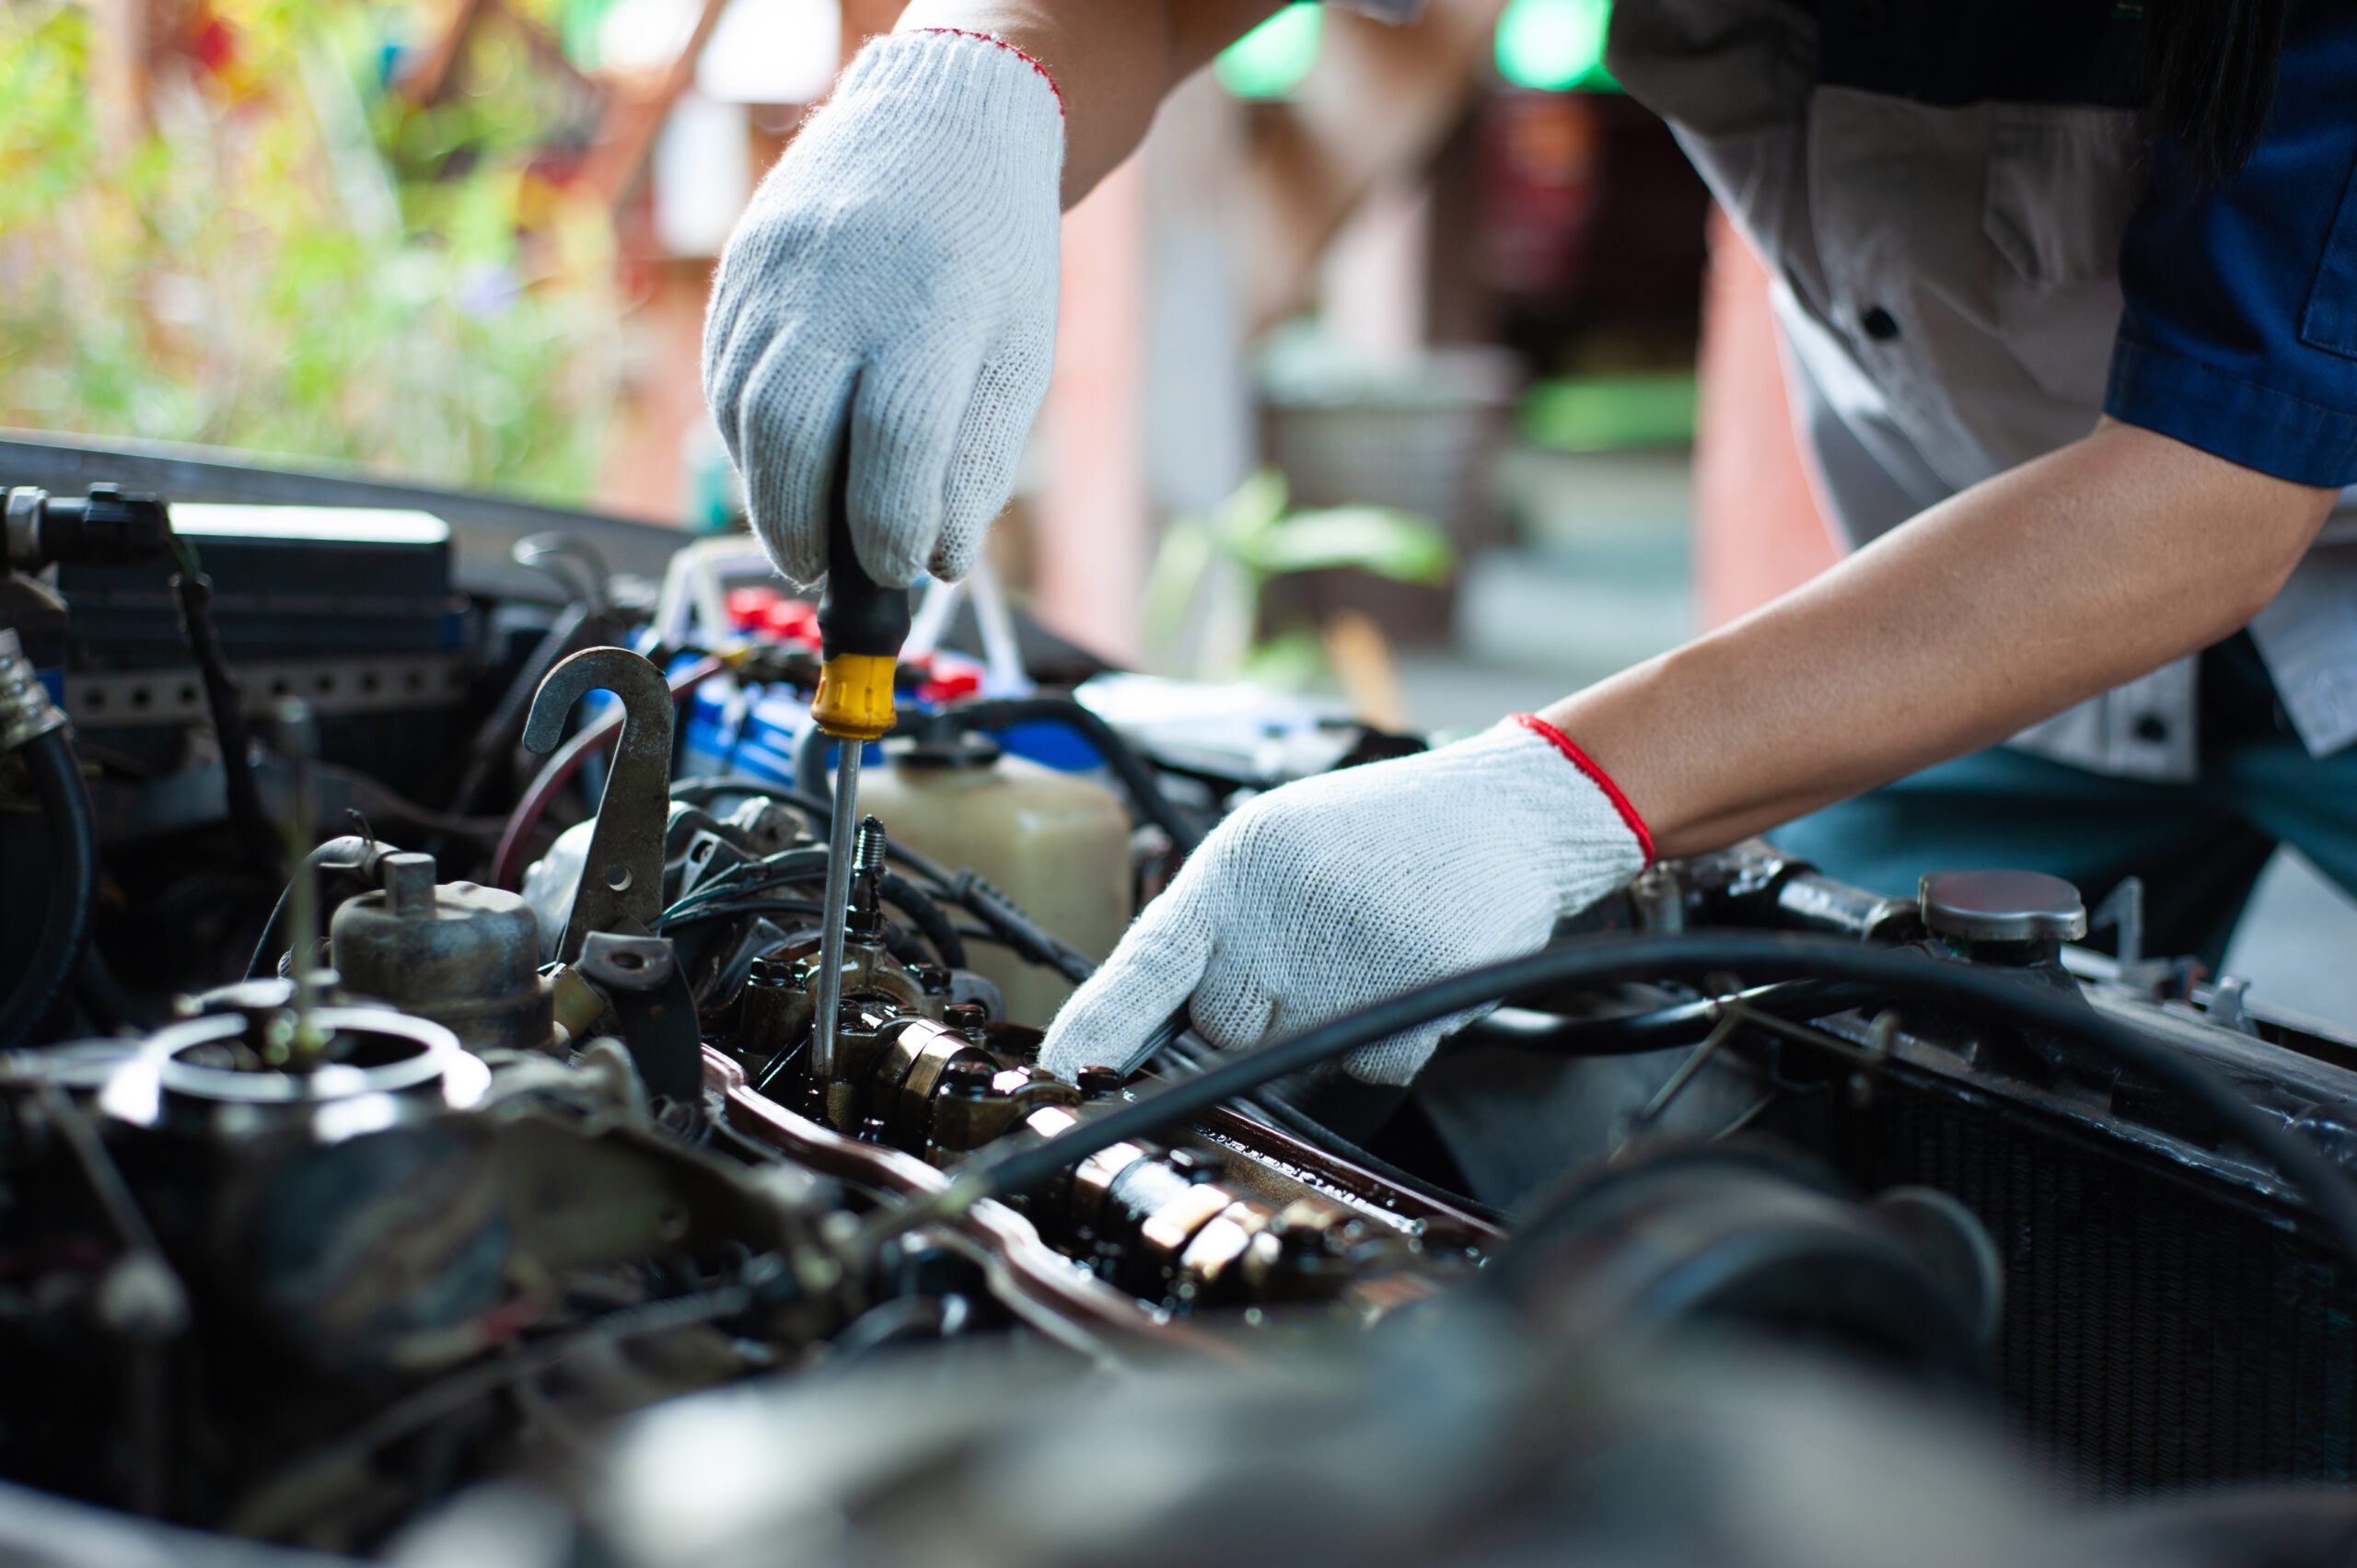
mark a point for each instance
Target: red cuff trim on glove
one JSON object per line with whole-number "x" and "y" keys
{"x": 1020, "y": 54}
{"x": 1596, "y": 776}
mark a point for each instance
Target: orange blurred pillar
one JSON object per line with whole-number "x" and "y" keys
{"x": 1758, "y": 530}
{"x": 1093, "y": 533}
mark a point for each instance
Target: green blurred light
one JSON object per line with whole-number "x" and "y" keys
{"x": 1270, "y": 60}
{"x": 1555, "y": 45}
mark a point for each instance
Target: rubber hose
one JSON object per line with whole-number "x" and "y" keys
{"x": 1007, "y": 920}
{"x": 502, "y": 730}
{"x": 925, "y": 915}
{"x": 193, "y": 592}
{"x": 507, "y": 860}
{"x": 816, "y": 806}
{"x": 810, "y": 767}
{"x": 1029, "y": 940}
{"x": 347, "y": 854}
{"x": 1137, "y": 778}
{"x": 1606, "y": 960}
{"x": 810, "y": 866}
{"x": 73, "y": 891}
{"x": 1680, "y": 1023}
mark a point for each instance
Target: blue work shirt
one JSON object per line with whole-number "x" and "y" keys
{"x": 1977, "y": 250}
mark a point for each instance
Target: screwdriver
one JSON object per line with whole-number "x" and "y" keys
{"x": 861, "y": 624}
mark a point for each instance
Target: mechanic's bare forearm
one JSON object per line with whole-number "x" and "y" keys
{"x": 1114, "y": 60}
{"x": 2006, "y": 604}
{"x": 1374, "y": 107}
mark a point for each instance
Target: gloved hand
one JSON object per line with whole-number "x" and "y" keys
{"x": 1345, "y": 889}
{"x": 895, "y": 273}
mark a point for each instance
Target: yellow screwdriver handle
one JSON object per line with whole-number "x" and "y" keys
{"x": 861, "y": 624}
{"x": 855, "y": 700}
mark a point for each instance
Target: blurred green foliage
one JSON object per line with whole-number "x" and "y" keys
{"x": 295, "y": 262}
{"x": 1202, "y": 599}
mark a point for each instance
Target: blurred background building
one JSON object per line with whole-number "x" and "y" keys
{"x": 1410, "y": 362}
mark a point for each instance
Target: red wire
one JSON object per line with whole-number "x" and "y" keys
{"x": 506, "y": 862}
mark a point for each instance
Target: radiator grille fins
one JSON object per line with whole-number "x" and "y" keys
{"x": 2158, "y": 1332}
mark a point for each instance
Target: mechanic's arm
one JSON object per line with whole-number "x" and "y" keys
{"x": 889, "y": 297}
{"x": 2232, "y": 423}
{"x": 2012, "y": 600}
{"x": 1114, "y": 60}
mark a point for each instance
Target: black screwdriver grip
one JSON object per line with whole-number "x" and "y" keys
{"x": 856, "y": 613}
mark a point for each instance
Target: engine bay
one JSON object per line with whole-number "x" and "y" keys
{"x": 416, "y": 1149}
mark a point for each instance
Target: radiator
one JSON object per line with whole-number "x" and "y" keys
{"x": 2162, "y": 1329}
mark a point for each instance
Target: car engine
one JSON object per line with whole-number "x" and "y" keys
{"x": 412, "y": 1148}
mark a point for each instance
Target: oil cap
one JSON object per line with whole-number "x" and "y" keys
{"x": 2002, "y": 908}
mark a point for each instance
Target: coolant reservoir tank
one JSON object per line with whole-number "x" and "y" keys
{"x": 1057, "y": 844}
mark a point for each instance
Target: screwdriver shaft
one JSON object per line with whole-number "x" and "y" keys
{"x": 839, "y": 833}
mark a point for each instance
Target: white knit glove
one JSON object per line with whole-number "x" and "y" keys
{"x": 895, "y": 273}
{"x": 1345, "y": 888}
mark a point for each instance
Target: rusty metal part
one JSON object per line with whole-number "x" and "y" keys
{"x": 622, "y": 878}
{"x": 466, "y": 957}
{"x": 577, "y": 1005}
{"x": 1036, "y": 1283}
{"x": 780, "y": 1012}
{"x": 985, "y": 1105}
{"x": 899, "y": 1052}
{"x": 1205, "y": 1220}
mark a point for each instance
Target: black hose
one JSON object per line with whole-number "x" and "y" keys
{"x": 748, "y": 880}
{"x": 1144, "y": 790}
{"x": 814, "y": 805}
{"x": 1602, "y": 961}
{"x": 73, "y": 886}
{"x": 992, "y": 713}
{"x": 1303, "y": 1125}
{"x": 1677, "y": 1023}
{"x": 1030, "y": 939}
{"x": 1007, "y": 922}
{"x": 501, "y": 730}
{"x": 730, "y": 899}
{"x": 349, "y": 855}
{"x": 925, "y": 915}
{"x": 810, "y": 767}
{"x": 193, "y": 592}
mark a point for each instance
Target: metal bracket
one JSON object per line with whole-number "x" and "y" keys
{"x": 621, "y": 879}
{"x": 640, "y": 978}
